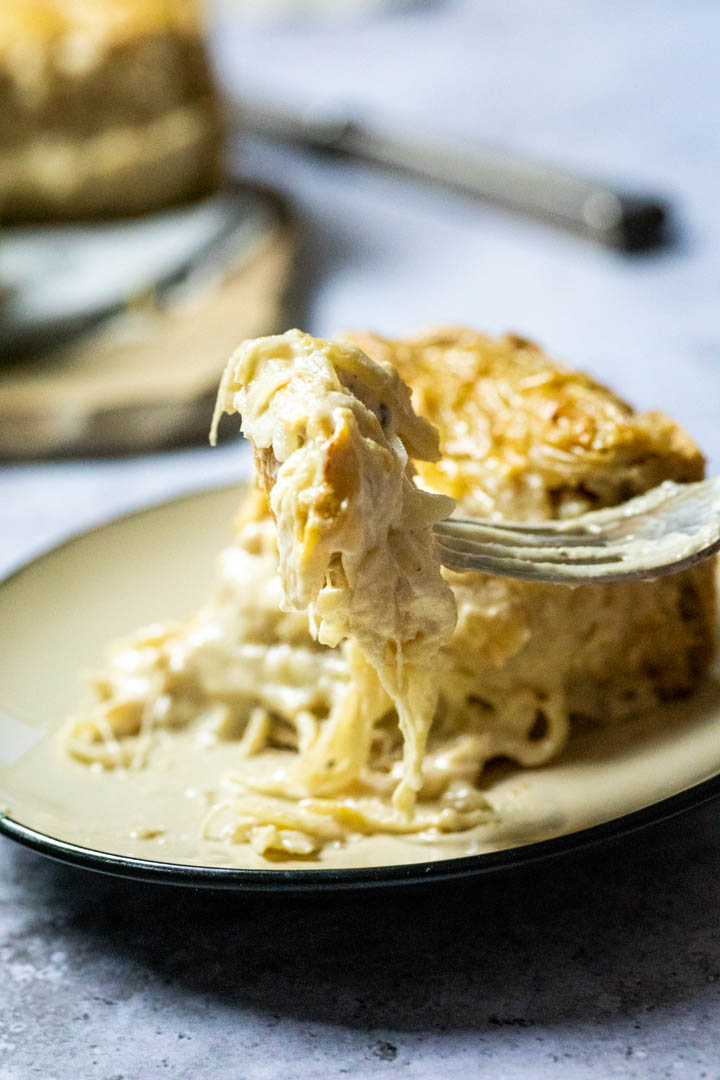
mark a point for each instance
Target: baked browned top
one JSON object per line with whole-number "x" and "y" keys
{"x": 523, "y": 437}
{"x": 100, "y": 23}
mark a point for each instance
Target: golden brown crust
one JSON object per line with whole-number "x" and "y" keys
{"x": 522, "y": 437}
{"x": 339, "y": 474}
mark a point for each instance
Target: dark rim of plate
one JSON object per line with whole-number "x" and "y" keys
{"x": 237, "y": 878}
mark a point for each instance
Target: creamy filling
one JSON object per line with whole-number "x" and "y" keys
{"x": 312, "y": 746}
{"x": 332, "y": 431}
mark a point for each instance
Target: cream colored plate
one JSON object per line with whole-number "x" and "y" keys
{"x": 57, "y": 613}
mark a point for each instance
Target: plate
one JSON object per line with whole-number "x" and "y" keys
{"x": 59, "y": 280}
{"x": 57, "y": 612}
{"x": 114, "y": 355}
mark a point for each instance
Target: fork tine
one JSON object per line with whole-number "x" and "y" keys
{"x": 485, "y": 532}
{"x": 568, "y": 573}
{"x": 667, "y": 498}
{"x": 601, "y": 566}
{"x": 541, "y": 529}
{"x": 556, "y": 556}
{"x": 557, "y": 573}
{"x": 666, "y": 530}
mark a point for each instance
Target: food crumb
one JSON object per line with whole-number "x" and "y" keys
{"x": 385, "y": 1051}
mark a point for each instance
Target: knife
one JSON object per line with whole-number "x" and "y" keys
{"x": 626, "y": 221}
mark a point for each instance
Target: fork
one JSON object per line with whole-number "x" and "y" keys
{"x": 669, "y": 528}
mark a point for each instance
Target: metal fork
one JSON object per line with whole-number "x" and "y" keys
{"x": 665, "y": 530}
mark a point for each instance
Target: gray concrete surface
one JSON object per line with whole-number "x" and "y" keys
{"x": 601, "y": 967}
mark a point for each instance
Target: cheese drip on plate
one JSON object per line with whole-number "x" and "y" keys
{"x": 332, "y": 433}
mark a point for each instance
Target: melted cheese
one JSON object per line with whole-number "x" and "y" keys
{"x": 247, "y": 675}
{"x": 331, "y": 432}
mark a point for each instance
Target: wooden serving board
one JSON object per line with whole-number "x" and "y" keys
{"x": 145, "y": 377}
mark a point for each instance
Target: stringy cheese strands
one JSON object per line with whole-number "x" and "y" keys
{"x": 332, "y": 432}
